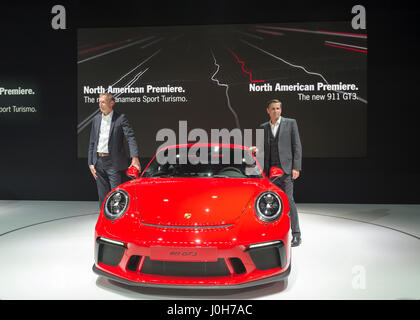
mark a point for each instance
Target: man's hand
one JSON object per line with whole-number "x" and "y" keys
{"x": 295, "y": 174}
{"x": 253, "y": 149}
{"x": 92, "y": 169}
{"x": 135, "y": 163}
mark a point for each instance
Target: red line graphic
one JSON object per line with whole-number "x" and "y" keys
{"x": 333, "y": 45}
{"x": 343, "y": 33}
{"x": 243, "y": 67}
{"x": 334, "y": 33}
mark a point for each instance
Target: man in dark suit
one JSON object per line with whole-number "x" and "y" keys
{"x": 282, "y": 149}
{"x": 106, "y": 157}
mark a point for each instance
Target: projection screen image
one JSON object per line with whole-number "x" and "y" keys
{"x": 221, "y": 76}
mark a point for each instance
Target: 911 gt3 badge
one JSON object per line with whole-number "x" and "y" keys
{"x": 187, "y": 215}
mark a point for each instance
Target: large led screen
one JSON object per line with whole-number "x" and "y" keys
{"x": 221, "y": 76}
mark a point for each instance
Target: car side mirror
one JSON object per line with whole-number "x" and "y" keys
{"x": 275, "y": 173}
{"x": 133, "y": 173}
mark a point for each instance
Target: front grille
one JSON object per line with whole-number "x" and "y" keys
{"x": 185, "y": 268}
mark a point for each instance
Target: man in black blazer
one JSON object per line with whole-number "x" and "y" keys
{"x": 106, "y": 156}
{"x": 282, "y": 149}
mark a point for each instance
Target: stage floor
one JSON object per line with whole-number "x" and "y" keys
{"x": 349, "y": 251}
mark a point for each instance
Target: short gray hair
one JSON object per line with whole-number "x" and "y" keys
{"x": 108, "y": 95}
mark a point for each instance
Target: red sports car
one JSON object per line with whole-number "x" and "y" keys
{"x": 206, "y": 219}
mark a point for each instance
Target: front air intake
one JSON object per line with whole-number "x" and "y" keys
{"x": 133, "y": 263}
{"x": 269, "y": 257}
{"x": 237, "y": 265}
{"x": 185, "y": 268}
{"x": 108, "y": 253}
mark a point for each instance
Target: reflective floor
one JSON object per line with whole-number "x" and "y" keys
{"x": 348, "y": 252}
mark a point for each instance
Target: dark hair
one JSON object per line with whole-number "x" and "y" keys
{"x": 274, "y": 101}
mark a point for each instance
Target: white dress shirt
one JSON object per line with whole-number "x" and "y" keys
{"x": 104, "y": 132}
{"x": 275, "y": 127}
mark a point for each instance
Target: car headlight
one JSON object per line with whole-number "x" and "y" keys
{"x": 116, "y": 204}
{"x": 268, "y": 206}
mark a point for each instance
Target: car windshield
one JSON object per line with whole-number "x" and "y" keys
{"x": 203, "y": 162}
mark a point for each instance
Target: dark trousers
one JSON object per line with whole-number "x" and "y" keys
{"x": 286, "y": 184}
{"x": 108, "y": 177}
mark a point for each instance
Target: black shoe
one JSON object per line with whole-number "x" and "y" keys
{"x": 296, "y": 241}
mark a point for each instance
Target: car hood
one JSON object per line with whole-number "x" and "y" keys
{"x": 194, "y": 201}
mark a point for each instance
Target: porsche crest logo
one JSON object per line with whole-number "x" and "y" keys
{"x": 187, "y": 215}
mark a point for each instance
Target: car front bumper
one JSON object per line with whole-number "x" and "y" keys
{"x": 267, "y": 280}
{"x": 196, "y": 267}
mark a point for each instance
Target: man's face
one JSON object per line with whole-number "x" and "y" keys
{"x": 105, "y": 104}
{"x": 274, "y": 111}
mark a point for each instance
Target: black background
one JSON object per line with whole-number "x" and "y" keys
{"x": 38, "y": 159}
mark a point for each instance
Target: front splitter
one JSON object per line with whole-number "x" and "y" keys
{"x": 254, "y": 283}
